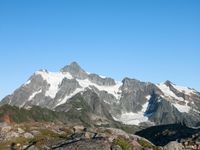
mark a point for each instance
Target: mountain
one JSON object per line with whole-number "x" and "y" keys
{"x": 102, "y": 99}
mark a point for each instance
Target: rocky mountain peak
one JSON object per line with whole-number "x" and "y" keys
{"x": 72, "y": 66}
{"x": 126, "y": 80}
{"x": 75, "y": 65}
{"x": 168, "y": 83}
{"x": 75, "y": 70}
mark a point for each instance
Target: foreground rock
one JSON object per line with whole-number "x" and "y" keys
{"x": 44, "y": 136}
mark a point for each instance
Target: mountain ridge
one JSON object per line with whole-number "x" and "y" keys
{"x": 129, "y": 101}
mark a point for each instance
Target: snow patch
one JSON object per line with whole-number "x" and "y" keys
{"x": 148, "y": 97}
{"x": 167, "y": 92}
{"x": 54, "y": 80}
{"x": 34, "y": 94}
{"x": 195, "y": 110}
{"x": 106, "y": 102}
{"x": 131, "y": 118}
{"x": 78, "y": 109}
{"x": 182, "y": 108}
{"x": 114, "y": 90}
{"x": 182, "y": 89}
{"x": 102, "y": 76}
{"x": 22, "y": 105}
{"x": 27, "y": 82}
{"x": 28, "y": 107}
{"x": 62, "y": 101}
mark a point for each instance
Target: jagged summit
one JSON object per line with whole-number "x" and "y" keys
{"x": 72, "y": 66}
{"x": 168, "y": 83}
{"x": 75, "y": 70}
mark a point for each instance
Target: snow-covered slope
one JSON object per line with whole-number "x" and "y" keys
{"x": 179, "y": 96}
{"x": 129, "y": 101}
{"x": 51, "y": 89}
{"x": 54, "y": 80}
{"x": 135, "y": 118}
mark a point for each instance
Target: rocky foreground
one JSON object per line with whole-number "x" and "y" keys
{"x": 46, "y": 136}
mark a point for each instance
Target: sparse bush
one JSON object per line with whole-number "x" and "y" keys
{"x": 123, "y": 143}
{"x": 146, "y": 144}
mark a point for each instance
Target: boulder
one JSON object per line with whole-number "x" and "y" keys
{"x": 28, "y": 135}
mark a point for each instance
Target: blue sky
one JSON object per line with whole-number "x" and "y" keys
{"x": 153, "y": 41}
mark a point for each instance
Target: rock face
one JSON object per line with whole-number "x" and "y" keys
{"x": 101, "y": 81}
{"x": 129, "y": 101}
{"x": 134, "y": 94}
{"x": 173, "y": 146}
{"x": 75, "y": 70}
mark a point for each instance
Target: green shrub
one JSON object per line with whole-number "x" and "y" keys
{"x": 123, "y": 143}
{"x": 49, "y": 133}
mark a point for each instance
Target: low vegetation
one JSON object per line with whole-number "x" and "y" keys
{"x": 123, "y": 143}
{"x": 146, "y": 144}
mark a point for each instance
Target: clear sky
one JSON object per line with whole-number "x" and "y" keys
{"x": 150, "y": 40}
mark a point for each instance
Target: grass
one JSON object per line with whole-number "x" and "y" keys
{"x": 20, "y": 140}
{"x": 123, "y": 143}
{"x": 146, "y": 144}
{"x": 45, "y": 137}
